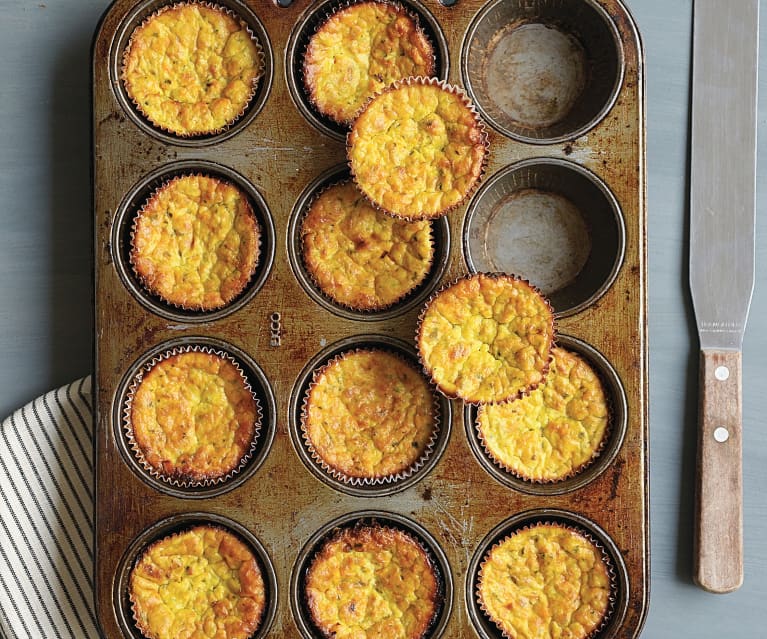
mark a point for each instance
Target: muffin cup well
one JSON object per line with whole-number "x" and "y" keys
{"x": 544, "y": 240}
{"x": 359, "y": 486}
{"x": 473, "y": 400}
{"x": 147, "y": 285}
{"x": 611, "y": 555}
{"x": 254, "y": 381}
{"x": 175, "y": 524}
{"x": 602, "y": 457}
{"x": 147, "y": 9}
{"x": 130, "y": 207}
{"x": 436, "y": 555}
{"x": 310, "y": 21}
{"x": 543, "y": 72}
{"x": 484, "y": 141}
{"x": 440, "y": 231}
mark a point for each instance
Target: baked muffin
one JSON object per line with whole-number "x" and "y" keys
{"x": 359, "y": 257}
{"x": 553, "y": 432}
{"x": 193, "y": 417}
{"x": 417, "y": 149}
{"x": 486, "y": 338}
{"x": 369, "y": 415}
{"x": 359, "y": 50}
{"x": 192, "y": 68}
{"x": 195, "y": 242}
{"x": 203, "y": 582}
{"x": 369, "y": 582}
{"x": 546, "y": 581}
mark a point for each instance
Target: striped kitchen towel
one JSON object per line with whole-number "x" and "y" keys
{"x": 46, "y": 517}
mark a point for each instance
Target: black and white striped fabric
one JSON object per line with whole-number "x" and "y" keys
{"x": 46, "y": 517}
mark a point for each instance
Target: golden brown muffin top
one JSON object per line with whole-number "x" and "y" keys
{"x": 358, "y": 51}
{"x": 361, "y": 257}
{"x": 191, "y": 68}
{"x": 370, "y": 582}
{"x": 369, "y": 414}
{"x": 417, "y": 149}
{"x": 193, "y": 417}
{"x": 200, "y": 583}
{"x": 556, "y": 430}
{"x": 486, "y": 338}
{"x": 545, "y": 582}
{"x": 195, "y": 243}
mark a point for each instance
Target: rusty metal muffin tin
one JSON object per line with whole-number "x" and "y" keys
{"x": 280, "y": 152}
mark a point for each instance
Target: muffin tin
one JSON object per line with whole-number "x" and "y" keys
{"x": 584, "y": 174}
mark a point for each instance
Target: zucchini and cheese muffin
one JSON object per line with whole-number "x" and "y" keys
{"x": 359, "y": 50}
{"x": 193, "y": 417}
{"x": 418, "y": 149}
{"x": 360, "y": 257}
{"x": 553, "y": 432}
{"x": 486, "y": 338}
{"x": 192, "y": 68}
{"x": 369, "y": 416}
{"x": 546, "y": 581}
{"x": 195, "y": 242}
{"x": 370, "y": 581}
{"x": 203, "y": 582}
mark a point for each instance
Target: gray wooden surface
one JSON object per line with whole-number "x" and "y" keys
{"x": 45, "y": 278}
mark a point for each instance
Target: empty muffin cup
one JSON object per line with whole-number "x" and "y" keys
{"x": 543, "y": 72}
{"x": 551, "y": 222}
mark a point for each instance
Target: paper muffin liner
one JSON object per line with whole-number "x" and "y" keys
{"x": 343, "y": 6}
{"x": 132, "y": 236}
{"x": 604, "y": 555}
{"x": 148, "y": 632}
{"x": 179, "y": 480}
{"x": 523, "y": 392}
{"x": 337, "y": 533}
{"x": 484, "y": 140}
{"x": 330, "y": 298}
{"x": 254, "y": 87}
{"x": 573, "y": 471}
{"x": 378, "y": 480}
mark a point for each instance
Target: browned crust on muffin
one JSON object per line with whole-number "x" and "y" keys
{"x": 369, "y": 417}
{"x": 456, "y": 349}
{"x": 178, "y": 251}
{"x": 192, "y": 418}
{"x": 358, "y": 256}
{"x": 338, "y": 58}
{"x": 418, "y": 149}
{"x": 374, "y": 569}
{"x": 195, "y": 560}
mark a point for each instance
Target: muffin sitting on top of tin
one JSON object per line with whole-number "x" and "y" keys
{"x": 360, "y": 257}
{"x": 369, "y": 416}
{"x": 195, "y": 242}
{"x": 203, "y": 582}
{"x": 192, "y": 68}
{"x": 553, "y": 432}
{"x": 418, "y": 149}
{"x": 371, "y": 581}
{"x": 357, "y": 51}
{"x": 486, "y": 338}
{"x": 546, "y": 581}
{"x": 192, "y": 417}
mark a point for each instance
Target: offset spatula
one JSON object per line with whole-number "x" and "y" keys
{"x": 722, "y": 216}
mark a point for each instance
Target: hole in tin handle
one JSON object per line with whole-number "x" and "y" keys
{"x": 283, "y": 3}
{"x": 448, "y": 3}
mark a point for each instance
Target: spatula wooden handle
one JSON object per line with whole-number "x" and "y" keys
{"x": 719, "y": 494}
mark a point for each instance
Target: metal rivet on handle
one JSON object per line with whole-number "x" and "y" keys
{"x": 722, "y": 373}
{"x": 721, "y": 434}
